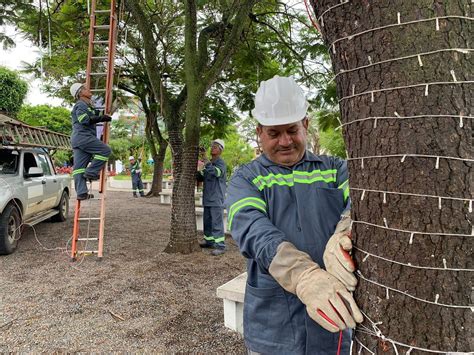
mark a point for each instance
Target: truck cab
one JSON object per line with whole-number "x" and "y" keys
{"x": 30, "y": 192}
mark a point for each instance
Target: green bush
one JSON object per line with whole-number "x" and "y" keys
{"x": 57, "y": 119}
{"x": 13, "y": 90}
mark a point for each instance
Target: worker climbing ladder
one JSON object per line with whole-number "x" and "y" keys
{"x": 99, "y": 79}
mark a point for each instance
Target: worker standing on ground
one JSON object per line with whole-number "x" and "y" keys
{"x": 86, "y": 146}
{"x": 213, "y": 174}
{"x": 136, "y": 172}
{"x": 289, "y": 213}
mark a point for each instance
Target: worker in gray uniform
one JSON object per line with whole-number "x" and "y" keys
{"x": 214, "y": 176}
{"x": 85, "y": 144}
{"x": 136, "y": 173}
{"x": 289, "y": 214}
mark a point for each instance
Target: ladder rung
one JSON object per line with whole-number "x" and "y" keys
{"x": 87, "y": 252}
{"x": 89, "y": 218}
{"x": 100, "y": 42}
{"x": 97, "y": 90}
{"x": 99, "y": 57}
{"x": 98, "y": 74}
{"x": 102, "y": 27}
{"x": 87, "y": 238}
{"x": 101, "y": 11}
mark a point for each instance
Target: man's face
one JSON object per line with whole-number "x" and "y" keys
{"x": 215, "y": 149}
{"x": 85, "y": 93}
{"x": 284, "y": 144}
{"x": 132, "y": 161}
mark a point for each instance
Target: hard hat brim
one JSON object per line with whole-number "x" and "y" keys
{"x": 279, "y": 121}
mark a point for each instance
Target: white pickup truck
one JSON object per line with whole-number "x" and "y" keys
{"x": 30, "y": 192}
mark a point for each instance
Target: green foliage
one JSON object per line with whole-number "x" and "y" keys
{"x": 61, "y": 156}
{"x": 13, "y": 90}
{"x": 333, "y": 142}
{"x": 57, "y": 119}
{"x": 122, "y": 148}
{"x": 237, "y": 151}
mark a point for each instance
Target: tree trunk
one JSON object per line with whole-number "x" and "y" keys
{"x": 159, "y": 158}
{"x": 153, "y": 133}
{"x": 183, "y": 218}
{"x": 437, "y": 131}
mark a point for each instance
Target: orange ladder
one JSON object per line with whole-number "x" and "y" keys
{"x": 100, "y": 68}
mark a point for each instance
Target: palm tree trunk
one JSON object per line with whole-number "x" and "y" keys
{"x": 401, "y": 203}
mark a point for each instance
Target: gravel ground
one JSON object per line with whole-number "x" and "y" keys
{"x": 136, "y": 299}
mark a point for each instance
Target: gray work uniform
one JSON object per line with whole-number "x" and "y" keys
{"x": 268, "y": 204}
{"x": 137, "y": 184}
{"x": 214, "y": 177}
{"x": 86, "y": 146}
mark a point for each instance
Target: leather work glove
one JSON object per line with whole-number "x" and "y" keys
{"x": 327, "y": 300}
{"x": 105, "y": 118}
{"x": 337, "y": 260}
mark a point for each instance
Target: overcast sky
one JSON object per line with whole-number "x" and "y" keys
{"x": 25, "y": 51}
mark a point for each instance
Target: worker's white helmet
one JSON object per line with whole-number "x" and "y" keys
{"x": 131, "y": 157}
{"x": 220, "y": 142}
{"x": 75, "y": 89}
{"x": 279, "y": 101}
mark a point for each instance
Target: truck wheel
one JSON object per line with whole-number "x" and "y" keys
{"x": 10, "y": 231}
{"x": 63, "y": 208}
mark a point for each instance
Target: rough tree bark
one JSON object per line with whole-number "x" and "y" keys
{"x": 403, "y": 319}
{"x": 201, "y": 72}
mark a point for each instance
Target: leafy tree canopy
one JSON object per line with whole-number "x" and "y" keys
{"x": 57, "y": 119}
{"x": 13, "y": 90}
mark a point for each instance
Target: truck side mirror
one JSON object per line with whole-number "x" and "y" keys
{"x": 34, "y": 172}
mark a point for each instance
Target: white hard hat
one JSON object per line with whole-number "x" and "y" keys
{"x": 279, "y": 101}
{"x": 131, "y": 157}
{"x": 220, "y": 142}
{"x": 75, "y": 89}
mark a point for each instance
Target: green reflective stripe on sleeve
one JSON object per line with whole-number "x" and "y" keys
{"x": 210, "y": 239}
{"x": 301, "y": 177}
{"x": 78, "y": 171}
{"x": 219, "y": 239}
{"x": 345, "y": 188}
{"x": 248, "y": 201}
{"x": 100, "y": 157}
{"x": 81, "y": 117}
{"x": 219, "y": 172}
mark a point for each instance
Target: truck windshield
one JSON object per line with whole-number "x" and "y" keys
{"x": 8, "y": 161}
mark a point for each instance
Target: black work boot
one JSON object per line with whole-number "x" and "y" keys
{"x": 206, "y": 244}
{"x": 135, "y": 195}
{"x": 217, "y": 252}
{"x": 85, "y": 196}
{"x": 91, "y": 177}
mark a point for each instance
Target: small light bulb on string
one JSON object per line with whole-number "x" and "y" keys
{"x": 453, "y": 75}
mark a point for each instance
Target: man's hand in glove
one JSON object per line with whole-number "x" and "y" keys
{"x": 105, "y": 118}
{"x": 327, "y": 300}
{"x": 337, "y": 260}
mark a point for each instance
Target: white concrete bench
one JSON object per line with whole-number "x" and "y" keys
{"x": 165, "y": 197}
{"x": 200, "y": 217}
{"x": 166, "y": 184}
{"x": 233, "y": 293}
